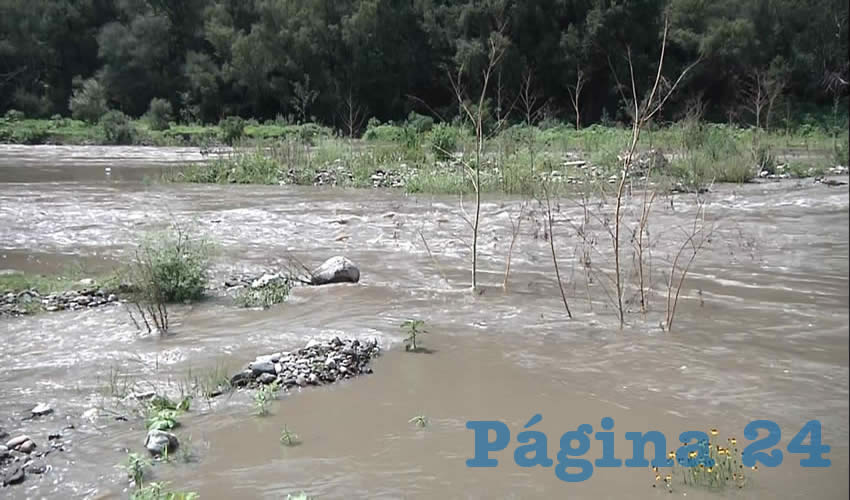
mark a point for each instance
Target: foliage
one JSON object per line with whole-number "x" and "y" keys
{"x": 136, "y": 468}
{"x": 158, "y": 491}
{"x": 287, "y": 437}
{"x": 266, "y": 296}
{"x": 232, "y": 129}
{"x": 88, "y": 101}
{"x": 162, "y": 420}
{"x": 443, "y": 141}
{"x": 419, "y": 420}
{"x": 159, "y": 114}
{"x": 117, "y": 128}
{"x": 413, "y": 328}
{"x": 264, "y": 396}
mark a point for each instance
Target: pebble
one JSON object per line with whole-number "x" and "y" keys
{"x": 17, "y": 441}
{"x": 42, "y": 409}
{"x": 27, "y": 447}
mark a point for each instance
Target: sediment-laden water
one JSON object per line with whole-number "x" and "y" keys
{"x": 761, "y": 332}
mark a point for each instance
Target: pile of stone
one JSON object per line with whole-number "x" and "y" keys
{"x": 28, "y": 301}
{"x": 20, "y": 456}
{"x": 316, "y": 364}
{"x": 337, "y": 269}
{"x": 388, "y": 179}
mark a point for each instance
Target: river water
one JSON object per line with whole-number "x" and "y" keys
{"x": 761, "y": 332}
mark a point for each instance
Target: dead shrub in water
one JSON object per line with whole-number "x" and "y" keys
{"x": 167, "y": 267}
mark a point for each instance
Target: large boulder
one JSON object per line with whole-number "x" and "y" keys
{"x": 335, "y": 270}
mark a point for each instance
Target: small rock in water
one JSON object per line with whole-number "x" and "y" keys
{"x": 17, "y": 441}
{"x": 28, "y": 447}
{"x": 300, "y": 381}
{"x": 41, "y": 409}
{"x": 91, "y": 414}
{"x": 37, "y": 467}
{"x": 157, "y": 442}
{"x": 313, "y": 379}
{"x": 266, "y": 378}
{"x": 3, "y": 451}
{"x": 3, "y": 433}
{"x": 242, "y": 379}
{"x": 259, "y": 367}
{"x": 86, "y": 282}
{"x": 14, "y": 475}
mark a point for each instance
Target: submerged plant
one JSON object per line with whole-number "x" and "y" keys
{"x": 287, "y": 437}
{"x": 265, "y": 395}
{"x": 413, "y": 327}
{"x": 157, "y": 491}
{"x": 266, "y": 296}
{"x": 419, "y": 420}
{"x": 136, "y": 467}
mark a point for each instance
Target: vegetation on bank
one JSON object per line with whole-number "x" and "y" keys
{"x": 519, "y": 159}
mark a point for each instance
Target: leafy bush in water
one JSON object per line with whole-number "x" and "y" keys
{"x": 157, "y": 491}
{"x": 273, "y": 293}
{"x": 159, "y": 114}
{"x": 117, "y": 128}
{"x": 232, "y": 129}
{"x": 443, "y": 140}
{"x": 171, "y": 267}
{"x": 88, "y": 100}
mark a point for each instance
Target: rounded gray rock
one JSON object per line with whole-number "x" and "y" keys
{"x": 157, "y": 442}
{"x": 335, "y": 270}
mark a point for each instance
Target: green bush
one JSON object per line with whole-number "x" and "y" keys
{"x": 88, "y": 100}
{"x": 159, "y": 114}
{"x": 171, "y": 267}
{"x": 419, "y": 123}
{"x": 13, "y": 115}
{"x": 443, "y": 141}
{"x": 232, "y": 129}
{"x": 117, "y": 128}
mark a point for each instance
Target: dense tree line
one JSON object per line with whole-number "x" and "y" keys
{"x": 314, "y": 58}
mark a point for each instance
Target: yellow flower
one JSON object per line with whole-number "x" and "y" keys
{"x": 713, "y": 432}
{"x": 668, "y": 478}
{"x": 733, "y": 441}
{"x": 658, "y": 477}
{"x": 671, "y": 455}
{"x": 755, "y": 467}
{"x": 692, "y": 454}
{"x": 709, "y": 469}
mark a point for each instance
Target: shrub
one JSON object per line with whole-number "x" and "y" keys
{"x": 443, "y": 141}
{"x": 88, "y": 100}
{"x": 273, "y": 293}
{"x": 232, "y": 129}
{"x": 117, "y": 128}
{"x": 13, "y": 115}
{"x": 168, "y": 267}
{"x": 159, "y": 114}
{"x": 32, "y": 104}
{"x": 420, "y": 123}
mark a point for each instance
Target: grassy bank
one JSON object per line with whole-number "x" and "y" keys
{"x": 58, "y": 130}
{"x": 521, "y": 160}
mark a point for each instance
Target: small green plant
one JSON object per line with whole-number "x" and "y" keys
{"x": 136, "y": 467}
{"x": 413, "y": 328}
{"x": 266, "y": 296}
{"x": 162, "y": 420}
{"x": 287, "y": 437}
{"x": 419, "y": 420}
{"x": 158, "y": 491}
{"x": 264, "y": 396}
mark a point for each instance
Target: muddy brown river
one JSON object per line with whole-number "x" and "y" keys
{"x": 761, "y": 332}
